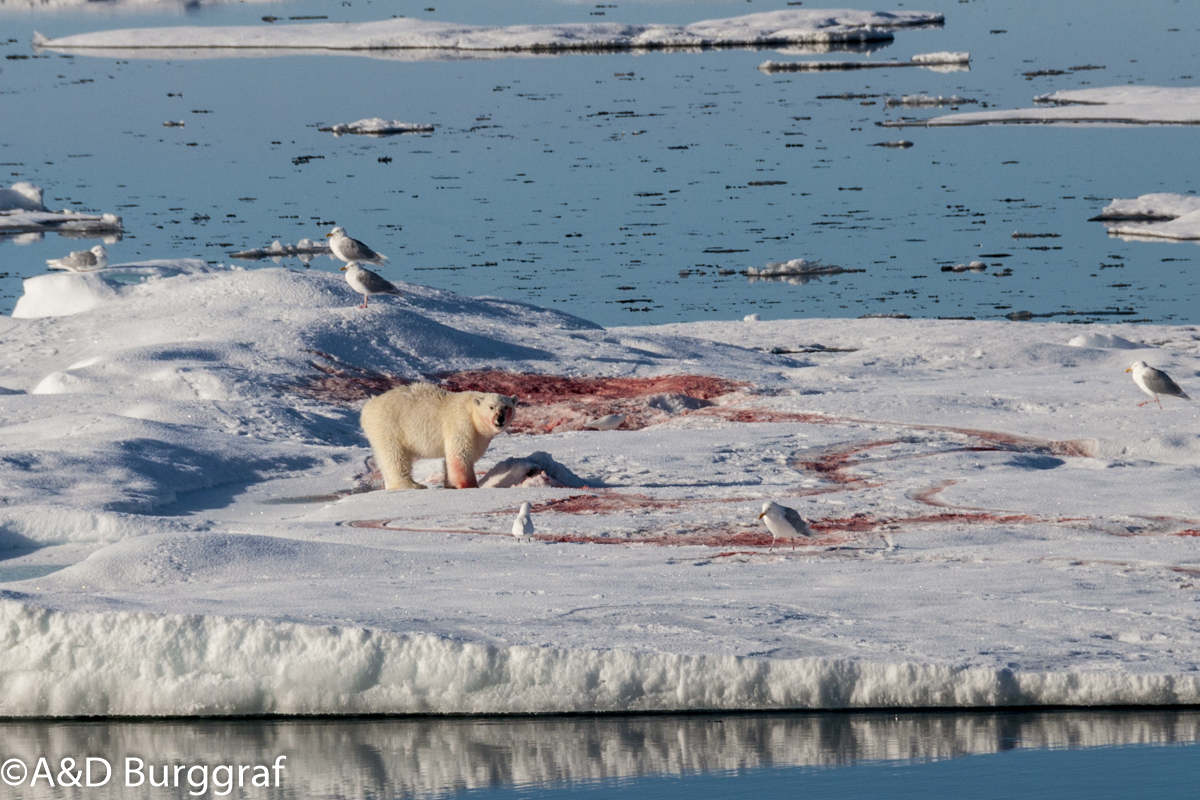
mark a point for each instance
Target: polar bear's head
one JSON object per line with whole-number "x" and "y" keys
{"x": 497, "y": 409}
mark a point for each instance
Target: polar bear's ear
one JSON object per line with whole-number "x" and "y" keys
{"x": 478, "y": 401}
{"x": 515, "y": 399}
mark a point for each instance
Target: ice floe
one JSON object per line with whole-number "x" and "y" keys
{"x": 189, "y": 486}
{"x": 1109, "y": 105}
{"x": 436, "y": 39}
{"x": 305, "y": 250}
{"x": 1161, "y": 215}
{"x": 941, "y": 62}
{"x": 377, "y": 127}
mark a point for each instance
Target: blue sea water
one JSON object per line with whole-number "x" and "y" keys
{"x": 622, "y": 187}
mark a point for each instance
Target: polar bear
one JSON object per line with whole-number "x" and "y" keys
{"x": 426, "y": 421}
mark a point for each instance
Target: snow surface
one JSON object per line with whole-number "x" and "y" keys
{"x": 1111, "y": 105}
{"x": 1161, "y": 215}
{"x": 188, "y": 531}
{"x": 376, "y": 126}
{"x": 792, "y": 26}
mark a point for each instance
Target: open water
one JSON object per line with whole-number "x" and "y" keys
{"x": 626, "y": 188}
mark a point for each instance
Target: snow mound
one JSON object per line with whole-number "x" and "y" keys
{"x": 536, "y": 469}
{"x": 75, "y": 292}
{"x": 21, "y": 196}
{"x": 1108, "y": 341}
{"x": 376, "y": 127}
{"x": 139, "y": 664}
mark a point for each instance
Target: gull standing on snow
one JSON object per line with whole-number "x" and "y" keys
{"x": 81, "y": 260}
{"x": 783, "y": 521}
{"x": 367, "y": 283}
{"x": 351, "y": 250}
{"x": 523, "y": 526}
{"x": 1155, "y": 382}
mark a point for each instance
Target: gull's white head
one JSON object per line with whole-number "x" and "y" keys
{"x": 353, "y": 265}
{"x": 336, "y": 232}
{"x": 1137, "y": 365}
{"x": 100, "y": 251}
{"x": 769, "y": 508}
{"x": 526, "y": 508}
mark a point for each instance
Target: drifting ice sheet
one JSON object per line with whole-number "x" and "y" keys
{"x": 1042, "y": 527}
{"x": 1112, "y": 105}
{"x": 763, "y": 29}
{"x": 1160, "y": 215}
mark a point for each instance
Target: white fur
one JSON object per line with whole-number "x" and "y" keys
{"x": 426, "y": 421}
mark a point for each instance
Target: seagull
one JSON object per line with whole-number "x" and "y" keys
{"x": 366, "y": 282}
{"x": 523, "y": 526}
{"x": 350, "y": 250}
{"x": 81, "y": 260}
{"x": 1155, "y": 382}
{"x": 783, "y": 521}
{"x": 608, "y": 423}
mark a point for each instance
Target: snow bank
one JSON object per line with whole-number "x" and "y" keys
{"x": 135, "y": 664}
{"x": 1111, "y": 105}
{"x": 1108, "y": 341}
{"x": 768, "y": 28}
{"x": 376, "y": 126}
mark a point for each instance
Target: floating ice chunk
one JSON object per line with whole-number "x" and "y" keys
{"x": 796, "y": 266}
{"x": 24, "y": 221}
{"x": 377, "y": 127}
{"x": 1150, "y": 207}
{"x": 940, "y": 62}
{"x": 23, "y": 196}
{"x": 1137, "y": 105}
{"x": 304, "y": 247}
{"x": 941, "y": 57}
{"x": 1107, "y": 341}
{"x": 974, "y": 266}
{"x": 921, "y": 100}
{"x": 752, "y": 318}
{"x": 771, "y": 28}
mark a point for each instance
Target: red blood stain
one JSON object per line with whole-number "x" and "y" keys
{"x": 605, "y": 503}
{"x": 546, "y": 389}
{"x": 1188, "y": 532}
{"x": 926, "y": 496}
{"x": 341, "y": 383}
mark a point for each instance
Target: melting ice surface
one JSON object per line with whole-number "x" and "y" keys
{"x": 625, "y": 187}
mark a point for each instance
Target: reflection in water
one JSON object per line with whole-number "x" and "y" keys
{"x": 428, "y": 757}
